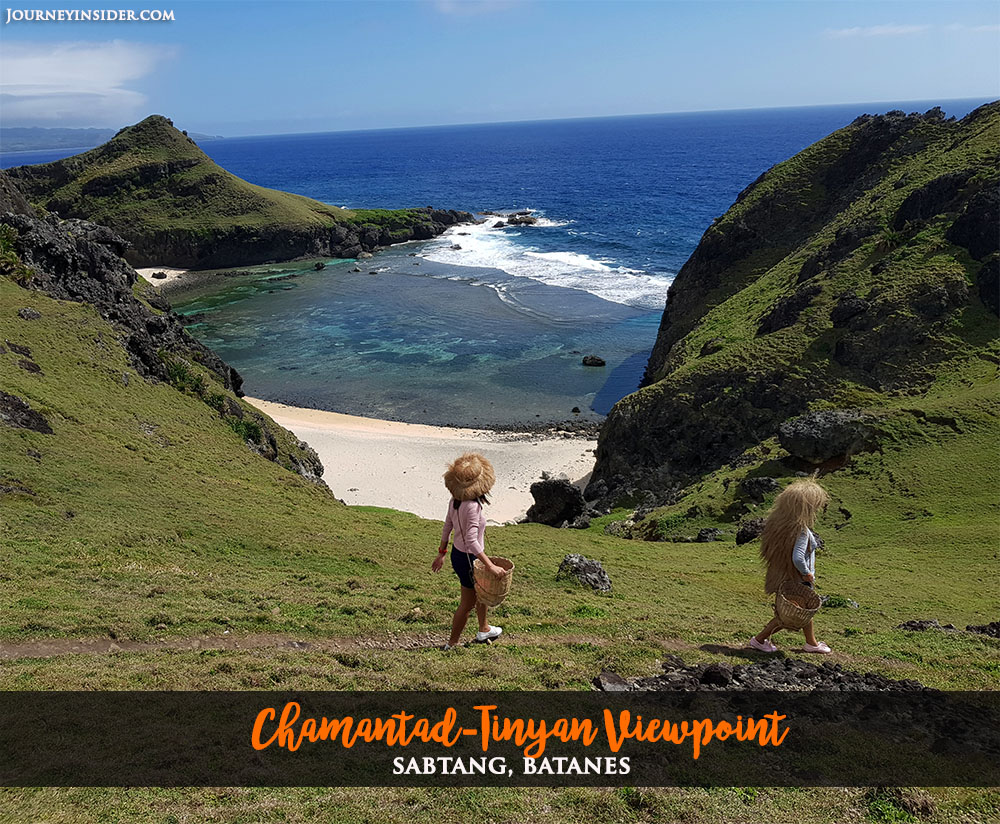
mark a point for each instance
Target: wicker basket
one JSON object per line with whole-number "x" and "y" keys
{"x": 795, "y": 604}
{"x": 491, "y": 590}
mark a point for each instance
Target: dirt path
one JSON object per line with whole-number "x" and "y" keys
{"x": 57, "y": 647}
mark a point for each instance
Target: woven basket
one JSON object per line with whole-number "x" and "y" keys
{"x": 491, "y": 590}
{"x": 795, "y": 604}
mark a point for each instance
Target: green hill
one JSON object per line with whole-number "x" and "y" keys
{"x": 177, "y": 207}
{"x": 860, "y": 275}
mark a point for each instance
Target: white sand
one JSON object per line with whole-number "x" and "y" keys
{"x": 171, "y": 274}
{"x": 399, "y": 465}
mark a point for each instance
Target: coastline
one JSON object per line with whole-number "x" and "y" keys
{"x": 372, "y": 462}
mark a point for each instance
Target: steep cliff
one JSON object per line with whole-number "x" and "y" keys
{"x": 176, "y": 207}
{"x": 857, "y": 274}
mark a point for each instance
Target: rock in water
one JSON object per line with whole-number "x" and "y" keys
{"x": 557, "y": 501}
{"x": 819, "y": 436}
{"x": 593, "y": 360}
{"x": 585, "y": 570}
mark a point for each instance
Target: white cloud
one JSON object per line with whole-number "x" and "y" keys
{"x": 964, "y": 27}
{"x": 76, "y": 83}
{"x": 877, "y": 31}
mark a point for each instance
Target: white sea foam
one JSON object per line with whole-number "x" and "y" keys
{"x": 485, "y": 247}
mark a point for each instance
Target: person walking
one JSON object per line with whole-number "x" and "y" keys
{"x": 469, "y": 479}
{"x": 788, "y": 551}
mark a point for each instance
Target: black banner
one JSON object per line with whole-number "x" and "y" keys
{"x": 171, "y": 739}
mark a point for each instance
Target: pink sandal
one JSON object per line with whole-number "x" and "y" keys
{"x": 819, "y": 647}
{"x": 765, "y": 646}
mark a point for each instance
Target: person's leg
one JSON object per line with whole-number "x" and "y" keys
{"x": 462, "y": 614}
{"x": 772, "y": 627}
{"x": 481, "y": 614}
{"x": 810, "y": 634}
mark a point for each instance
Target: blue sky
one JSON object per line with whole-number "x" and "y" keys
{"x": 237, "y": 67}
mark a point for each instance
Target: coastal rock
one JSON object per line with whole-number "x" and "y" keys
{"x": 320, "y": 266}
{"x": 585, "y": 571}
{"x": 499, "y": 224}
{"x": 593, "y": 360}
{"x": 557, "y": 501}
{"x": 708, "y": 535}
{"x": 159, "y": 275}
{"x": 819, "y": 436}
{"x": 750, "y": 530}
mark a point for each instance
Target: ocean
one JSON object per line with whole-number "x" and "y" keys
{"x": 488, "y": 326}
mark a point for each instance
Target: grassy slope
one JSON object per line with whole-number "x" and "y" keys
{"x": 148, "y": 512}
{"x": 151, "y": 520}
{"x": 121, "y": 184}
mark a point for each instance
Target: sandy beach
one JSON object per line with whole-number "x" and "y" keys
{"x": 399, "y": 465}
{"x": 171, "y": 274}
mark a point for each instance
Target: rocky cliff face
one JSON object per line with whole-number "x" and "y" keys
{"x": 174, "y": 206}
{"x": 246, "y": 246}
{"x": 852, "y": 273}
{"x": 80, "y": 261}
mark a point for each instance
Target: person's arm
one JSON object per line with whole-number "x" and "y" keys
{"x": 475, "y": 536}
{"x": 438, "y": 561}
{"x": 799, "y": 555}
{"x": 446, "y": 532}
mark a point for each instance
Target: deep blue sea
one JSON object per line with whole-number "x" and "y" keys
{"x": 494, "y": 331}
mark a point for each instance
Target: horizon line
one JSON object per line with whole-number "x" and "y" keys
{"x": 987, "y": 98}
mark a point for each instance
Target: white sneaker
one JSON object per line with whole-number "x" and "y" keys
{"x": 488, "y": 636}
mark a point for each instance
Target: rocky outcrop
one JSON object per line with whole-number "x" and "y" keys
{"x": 819, "y": 436}
{"x": 585, "y": 571}
{"x": 557, "y": 502}
{"x": 80, "y": 261}
{"x": 779, "y": 674}
{"x": 247, "y": 246}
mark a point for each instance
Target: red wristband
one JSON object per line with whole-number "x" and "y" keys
{"x": 443, "y": 551}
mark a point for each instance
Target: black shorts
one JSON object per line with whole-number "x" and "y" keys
{"x": 461, "y": 562}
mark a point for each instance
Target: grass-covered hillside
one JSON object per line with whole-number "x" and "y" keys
{"x": 155, "y": 187}
{"x": 153, "y": 539}
{"x": 861, "y": 274}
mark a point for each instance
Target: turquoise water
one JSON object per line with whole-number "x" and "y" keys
{"x": 426, "y": 342}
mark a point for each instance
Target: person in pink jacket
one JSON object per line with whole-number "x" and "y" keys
{"x": 469, "y": 479}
